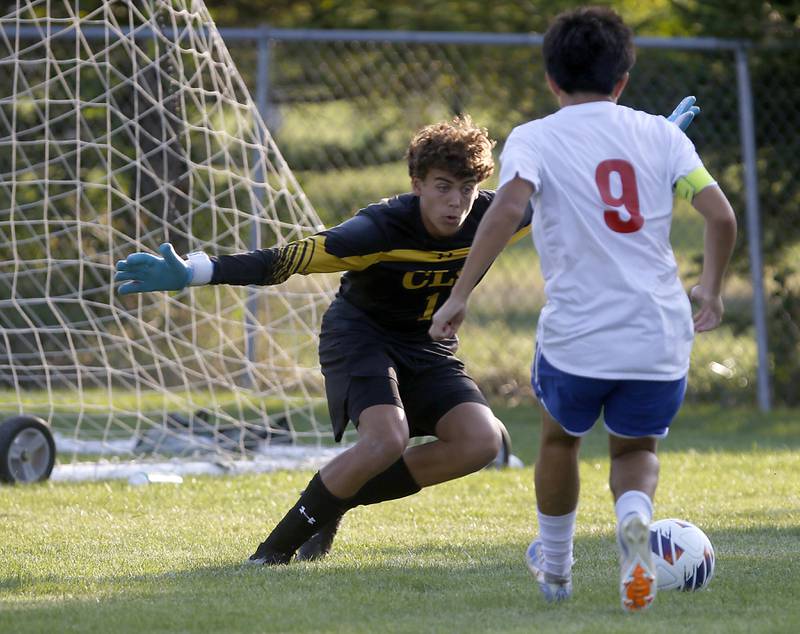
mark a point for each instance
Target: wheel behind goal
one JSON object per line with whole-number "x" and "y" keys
{"x": 27, "y": 450}
{"x": 124, "y": 125}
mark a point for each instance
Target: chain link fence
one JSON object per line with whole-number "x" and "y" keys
{"x": 776, "y": 96}
{"x": 343, "y": 106}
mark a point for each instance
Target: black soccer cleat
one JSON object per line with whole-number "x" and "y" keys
{"x": 319, "y": 544}
{"x": 265, "y": 556}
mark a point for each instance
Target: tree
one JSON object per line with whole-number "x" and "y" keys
{"x": 501, "y": 16}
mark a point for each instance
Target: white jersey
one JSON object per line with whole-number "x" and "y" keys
{"x": 604, "y": 177}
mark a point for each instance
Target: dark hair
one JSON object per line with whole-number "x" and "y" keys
{"x": 588, "y": 50}
{"x": 458, "y": 147}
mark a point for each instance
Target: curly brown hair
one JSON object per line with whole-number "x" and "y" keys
{"x": 458, "y": 147}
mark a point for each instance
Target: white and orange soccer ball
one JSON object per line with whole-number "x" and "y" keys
{"x": 684, "y": 555}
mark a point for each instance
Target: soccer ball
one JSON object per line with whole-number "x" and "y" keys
{"x": 684, "y": 555}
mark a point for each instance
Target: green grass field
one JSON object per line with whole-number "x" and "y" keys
{"x": 108, "y": 557}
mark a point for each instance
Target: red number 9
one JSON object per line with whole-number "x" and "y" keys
{"x": 629, "y": 198}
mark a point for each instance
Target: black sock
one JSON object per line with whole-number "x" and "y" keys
{"x": 396, "y": 482}
{"x": 316, "y": 507}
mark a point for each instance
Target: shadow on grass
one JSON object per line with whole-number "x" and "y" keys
{"x": 424, "y": 588}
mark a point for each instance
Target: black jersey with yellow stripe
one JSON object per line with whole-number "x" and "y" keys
{"x": 395, "y": 271}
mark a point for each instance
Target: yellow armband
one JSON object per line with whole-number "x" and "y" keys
{"x": 688, "y": 186}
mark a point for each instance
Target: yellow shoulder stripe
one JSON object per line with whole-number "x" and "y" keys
{"x": 687, "y": 186}
{"x": 415, "y": 255}
{"x": 317, "y": 260}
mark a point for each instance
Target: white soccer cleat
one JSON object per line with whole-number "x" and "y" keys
{"x": 637, "y": 586}
{"x": 552, "y": 587}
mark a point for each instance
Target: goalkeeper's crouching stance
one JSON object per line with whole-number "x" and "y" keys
{"x": 382, "y": 371}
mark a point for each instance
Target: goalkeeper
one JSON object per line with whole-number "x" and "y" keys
{"x": 382, "y": 370}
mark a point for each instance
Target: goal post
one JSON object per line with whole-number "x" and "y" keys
{"x": 140, "y": 133}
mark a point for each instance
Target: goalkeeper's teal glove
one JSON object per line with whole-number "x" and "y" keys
{"x": 684, "y": 114}
{"x": 143, "y": 272}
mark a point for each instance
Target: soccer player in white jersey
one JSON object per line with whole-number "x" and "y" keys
{"x": 616, "y": 331}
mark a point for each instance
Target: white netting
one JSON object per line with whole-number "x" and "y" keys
{"x": 109, "y": 144}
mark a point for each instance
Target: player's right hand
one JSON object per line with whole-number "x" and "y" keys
{"x": 143, "y": 272}
{"x": 447, "y": 319}
{"x": 709, "y": 314}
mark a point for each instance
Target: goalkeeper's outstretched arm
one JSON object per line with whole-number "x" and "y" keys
{"x": 144, "y": 272}
{"x": 349, "y": 251}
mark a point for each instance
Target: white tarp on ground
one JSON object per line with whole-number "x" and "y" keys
{"x": 269, "y": 457}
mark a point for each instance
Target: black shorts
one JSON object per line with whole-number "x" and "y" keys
{"x": 365, "y": 366}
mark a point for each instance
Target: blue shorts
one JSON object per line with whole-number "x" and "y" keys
{"x": 631, "y": 408}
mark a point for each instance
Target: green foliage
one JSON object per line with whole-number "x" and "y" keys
{"x": 656, "y": 17}
{"x": 343, "y": 192}
{"x": 357, "y": 134}
{"x": 429, "y": 15}
{"x": 723, "y": 367}
{"x": 757, "y": 20}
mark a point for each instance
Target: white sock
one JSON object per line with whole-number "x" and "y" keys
{"x": 556, "y": 533}
{"x": 634, "y": 502}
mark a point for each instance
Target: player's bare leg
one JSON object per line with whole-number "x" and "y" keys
{"x": 557, "y": 482}
{"x": 382, "y": 439}
{"x": 634, "y": 465}
{"x": 633, "y": 480}
{"x": 467, "y": 439}
{"x": 556, "y": 471}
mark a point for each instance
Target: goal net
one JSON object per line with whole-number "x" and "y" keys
{"x": 125, "y": 124}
